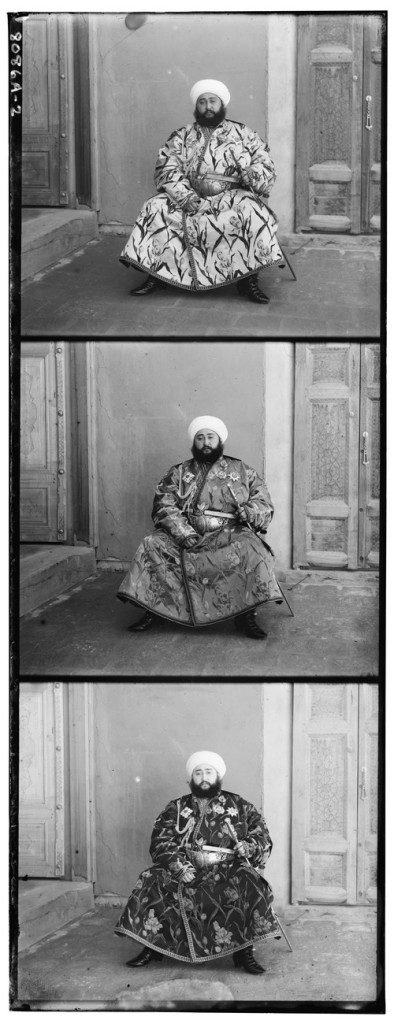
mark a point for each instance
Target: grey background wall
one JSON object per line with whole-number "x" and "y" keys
{"x": 147, "y": 394}
{"x": 139, "y": 769}
{"x": 144, "y": 80}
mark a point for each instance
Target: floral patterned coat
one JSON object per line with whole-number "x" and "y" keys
{"x": 231, "y": 568}
{"x": 227, "y": 906}
{"x": 233, "y": 232}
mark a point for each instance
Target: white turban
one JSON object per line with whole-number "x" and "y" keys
{"x": 205, "y": 757}
{"x": 210, "y": 85}
{"x": 207, "y": 423}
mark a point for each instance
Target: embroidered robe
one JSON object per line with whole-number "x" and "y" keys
{"x": 231, "y": 568}
{"x": 232, "y": 235}
{"x": 227, "y": 906}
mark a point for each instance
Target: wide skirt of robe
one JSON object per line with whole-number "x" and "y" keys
{"x": 235, "y": 239}
{"x": 230, "y": 572}
{"x": 224, "y": 909}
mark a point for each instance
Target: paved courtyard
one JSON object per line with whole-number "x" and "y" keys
{"x": 85, "y": 632}
{"x": 336, "y": 294}
{"x": 83, "y": 966}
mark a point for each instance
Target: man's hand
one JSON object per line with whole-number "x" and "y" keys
{"x": 241, "y": 514}
{"x": 188, "y": 874}
{"x": 241, "y": 848}
{"x": 192, "y": 204}
{"x": 191, "y": 541}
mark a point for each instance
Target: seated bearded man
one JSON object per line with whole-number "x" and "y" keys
{"x": 207, "y": 560}
{"x": 205, "y": 895}
{"x": 209, "y": 224}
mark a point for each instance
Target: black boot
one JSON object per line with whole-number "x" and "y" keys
{"x": 146, "y": 288}
{"x": 145, "y": 957}
{"x": 248, "y": 625}
{"x": 151, "y": 284}
{"x": 249, "y": 286}
{"x": 244, "y": 958}
{"x": 144, "y": 623}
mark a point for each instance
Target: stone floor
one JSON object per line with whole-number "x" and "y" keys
{"x": 336, "y": 294}
{"x": 83, "y": 966}
{"x": 85, "y": 632}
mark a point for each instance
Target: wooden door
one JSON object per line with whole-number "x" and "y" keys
{"x": 324, "y": 807}
{"x": 326, "y": 440}
{"x": 336, "y": 456}
{"x": 334, "y": 798}
{"x": 44, "y": 112}
{"x": 368, "y": 794}
{"x": 338, "y": 66}
{"x": 372, "y": 131}
{"x": 369, "y": 489}
{"x": 43, "y": 443}
{"x": 41, "y": 780}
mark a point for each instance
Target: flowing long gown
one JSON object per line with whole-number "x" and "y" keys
{"x": 231, "y": 568}
{"x": 233, "y": 235}
{"x": 227, "y": 906}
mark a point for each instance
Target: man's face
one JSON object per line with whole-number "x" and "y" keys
{"x": 206, "y": 441}
{"x": 208, "y": 104}
{"x": 205, "y": 781}
{"x": 209, "y": 110}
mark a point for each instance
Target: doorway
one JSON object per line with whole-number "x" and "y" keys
{"x": 338, "y": 148}
{"x": 42, "y": 797}
{"x": 335, "y": 785}
{"x": 336, "y": 490}
{"x": 45, "y": 476}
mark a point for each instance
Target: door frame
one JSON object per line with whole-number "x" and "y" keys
{"x": 58, "y": 433}
{"x": 358, "y": 843}
{"x": 73, "y": 771}
{"x": 360, "y": 142}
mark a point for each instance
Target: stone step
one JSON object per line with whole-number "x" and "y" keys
{"x": 47, "y": 570}
{"x": 46, "y": 906}
{"x": 49, "y": 235}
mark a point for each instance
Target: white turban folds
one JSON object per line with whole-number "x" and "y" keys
{"x": 205, "y": 757}
{"x": 212, "y": 86}
{"x": 207, "y": 423}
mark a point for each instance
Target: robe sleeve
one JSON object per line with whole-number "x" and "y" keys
{"x": 166, "y": 513}
{"x": 257, "y": 837}
{"x": 171, "y": 175}
{"x": 259, "y": 508}
{"x": 165, "y": 848}
{"x": 255, "y": 166}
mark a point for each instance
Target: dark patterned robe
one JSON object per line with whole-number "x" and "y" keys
{"x": 230, "y": 570}
{"x": 227, "y": 906}
{"x": 232, "y": 235}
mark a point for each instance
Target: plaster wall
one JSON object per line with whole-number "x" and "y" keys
{"x": 147, "y": 394}
{"x": 277, "y": 704}
{"x": 282, "y": 90}
{"x": 144, "y": 734}
{"x": 279, "y": 438}
{"x": 144, "y": 79}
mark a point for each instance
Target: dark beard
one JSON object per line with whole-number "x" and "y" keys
{"x": 210, "y": 122}
{"x": 201, "y": 456}
{"x": 206, "y": 793}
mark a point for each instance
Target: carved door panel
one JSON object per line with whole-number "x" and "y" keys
{"x": 338, "y": 65}
{"x": 334, "y": 802}
{"x": 41, "y": 780}
{"x": 368, "y": 793}
{"x": 369, "y": 504}
{"x": 336, "y": 456}
{"x": 43, "y": 443}
{"x": 44, "y": 132}
{"x": 372, "y": 134}
{"x": 324, "y": 806}
{"x": 326, "y": 441}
